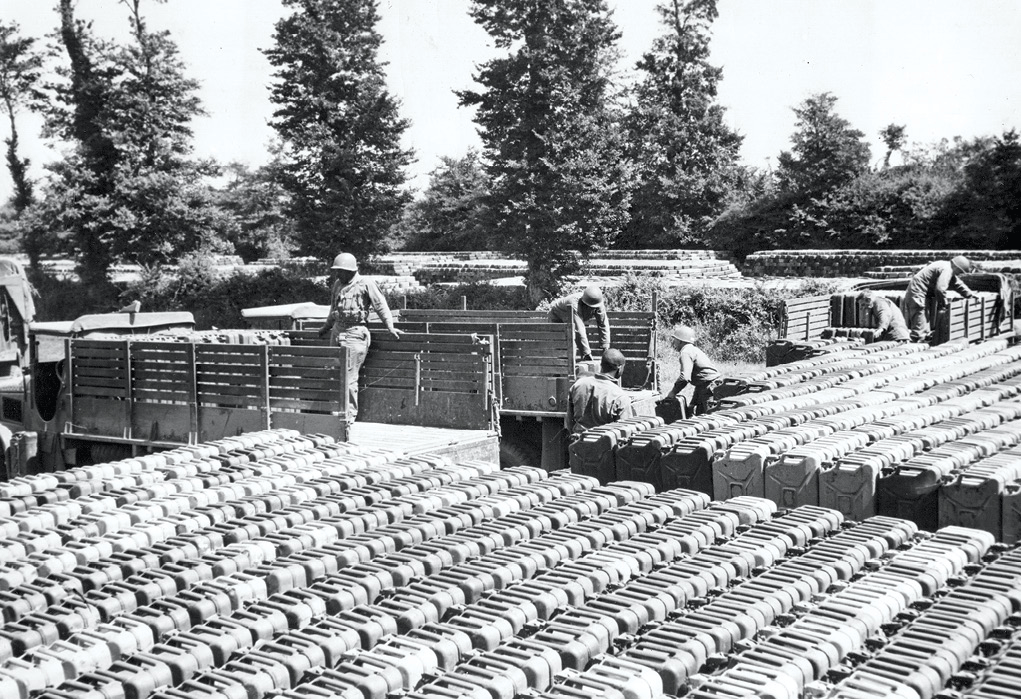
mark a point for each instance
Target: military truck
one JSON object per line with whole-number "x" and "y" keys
{"x": 807, "y": 321}
{"x": 535, "y": 363}
{"x": 108, "y": 386}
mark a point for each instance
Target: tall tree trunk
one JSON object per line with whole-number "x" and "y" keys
{"x": 97, "y": 148}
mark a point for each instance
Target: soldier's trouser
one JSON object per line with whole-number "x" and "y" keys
{"x": 356, "y": 339}
{"x": 701, "y": 399}
{"x": 916, "y": 318}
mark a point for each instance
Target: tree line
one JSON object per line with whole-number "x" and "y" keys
{"x": 573, "y": 159}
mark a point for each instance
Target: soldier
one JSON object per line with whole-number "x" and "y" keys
{"x": 598, "y": 399}
{"x": 696, "y": 369}
{"x": 885, "y": 317}
{"x": 351, "y": 297}
{"x": 932, "y": 282}
{"x": 578, "y": 308}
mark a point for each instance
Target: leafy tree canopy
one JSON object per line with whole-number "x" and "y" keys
{"x": 551, "y": 135}
{"x": 342, "y": 161}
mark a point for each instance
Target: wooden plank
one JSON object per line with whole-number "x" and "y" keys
{"x": 232, "y": 379}
{"x": 86, "y": 349}
{"x": 156, "y": 357}
{"x": 325, "y": 396}
{"x": 148, "y": 395}
{"x": 310, "y": 362}
{"x": 292, "y": 352}
{"x": 205, "y": 390}
{"x": 324, "y": 374}
{"x": 435, "y": 379}
{"x": 101, "y": 391}
{"x": 534, "y": 371}
{"x": 306, "y": 405}
{"x": 96, "y": 372}
{"x": 337, "y": 385}
{"x": 100, "y": 363}
{"x": 456, "y": 362}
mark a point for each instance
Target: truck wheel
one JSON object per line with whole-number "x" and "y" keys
{"x": 518, "y": 454}
{"x": 105, "y": 453}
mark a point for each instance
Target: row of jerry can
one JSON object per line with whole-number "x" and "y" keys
{"x": 904, "y": 628}
{"x": 196, "y": 592}
{"x": 395, "y": 555}
{"x": 316, "y": 571}
{"x": 863, "y": 445}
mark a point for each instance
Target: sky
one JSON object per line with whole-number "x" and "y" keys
{"x": 943, "y": 68}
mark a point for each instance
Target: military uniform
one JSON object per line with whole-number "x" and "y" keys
{"x": 597, "y": 399}
{"x": 349, "y": 312}
{"x": 885, "y": 317}
{"x": 932, "y": 281}
{"x": 698, "y": 370}
{"x": 571, "y": 309}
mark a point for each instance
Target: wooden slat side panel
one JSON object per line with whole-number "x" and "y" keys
{"x": 310, "y": 379}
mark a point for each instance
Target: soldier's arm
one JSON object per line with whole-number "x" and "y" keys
{"x": 960, "y": 287}
{"x": 580, "y": 333}
{"x": 883, "y": 318}
{"x": 381, "y": 307}
{"x": 603, "y": 319}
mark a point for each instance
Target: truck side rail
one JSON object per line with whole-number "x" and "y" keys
{"x": 534, "y": 362}
{"x": 429, "y": 379}
{"x": 631, "y": 332}
{"x": 164, "y": 393}
{"x": 805, "y": 318}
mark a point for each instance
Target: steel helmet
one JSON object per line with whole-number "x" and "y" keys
{"x": 683, "y": 333}
{"x": 592, "y": 296}
{"x": 345, "y": 261}
{"x": 962, "y": 265}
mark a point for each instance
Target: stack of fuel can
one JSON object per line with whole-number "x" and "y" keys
{"x": 929, "y": 434}
{"x": 277, "y": 564}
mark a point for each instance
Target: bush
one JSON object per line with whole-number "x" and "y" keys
{"x": 216, "y": 300}
{"x": 477, "y": 295}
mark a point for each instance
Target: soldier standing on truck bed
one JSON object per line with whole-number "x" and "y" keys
{"x": 932, "y": 282}
{"x": 351, "y": 297}
{"x": 598, "y": 399}
{"x": 696, "y": 368}
{"x": 578, "y": 308}
{"x": 884, "y": 317}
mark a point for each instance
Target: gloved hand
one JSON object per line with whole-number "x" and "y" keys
{"x": 586, "y": 357}
{"x": 323, "y": 332}
{"x": 395, "y": 333}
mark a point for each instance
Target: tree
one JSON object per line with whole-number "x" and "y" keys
{"x": 826, "y": 153}
{"x": 342, "y": 161}
{"x": 894, "y": 137}
{"x": 686, "y": 155}
{"x": 128, "y": 190}
{"x": 256, "y": 204}
{"x": 20, "y": 66}
{"x": 551, "y": 139}
{"x": 452, "y": 213}
{"x": 985, "y": 210}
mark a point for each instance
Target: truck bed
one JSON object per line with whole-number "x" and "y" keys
{"x": 460, "y": 445}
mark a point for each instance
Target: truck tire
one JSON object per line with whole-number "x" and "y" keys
{"x": 516, "y": 453}
{"x": 101, "y": 453}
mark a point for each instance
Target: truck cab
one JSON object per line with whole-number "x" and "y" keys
{"x": 33, "y": 406}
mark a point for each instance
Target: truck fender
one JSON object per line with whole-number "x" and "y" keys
{"x": 6, "y": 435}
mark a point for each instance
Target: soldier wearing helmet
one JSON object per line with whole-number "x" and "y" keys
{"x": 598, "y": 399}
{"x": 579, "y": 308}
{"x": 884, "y": 317}
{"x": 351, "y": 298}
{"x": 930, "y": 284}
{"x": 696, "y": 368}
